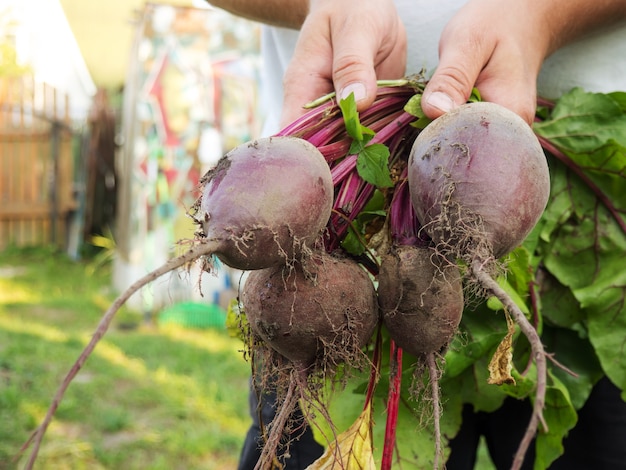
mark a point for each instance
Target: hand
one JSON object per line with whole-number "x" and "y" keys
{"x": 497, "y": 47}
{"x": 344, "y": 46}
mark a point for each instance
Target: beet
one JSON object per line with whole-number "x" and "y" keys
{"x": 323, "y": 310}
{"x": 266, "y": 201}
{"x": 421, "y": 299}
{"x": 478, "y": 174}
{"x": 479, "y": 184}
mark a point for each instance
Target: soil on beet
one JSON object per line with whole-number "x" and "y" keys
{"x": 421, "y": 299}
{"x": 320, "y": 312}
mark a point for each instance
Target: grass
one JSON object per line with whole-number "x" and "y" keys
{"x": 148, "y": 397}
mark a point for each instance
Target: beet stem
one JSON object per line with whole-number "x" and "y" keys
{"x": 567, "y": 161}
{"x": 206, "y": 247}
{"x": 381, "y": 84}
{"x": 538, "y": 352}
{"x": 392, "y": 406}
{"x": 433, "y": 371}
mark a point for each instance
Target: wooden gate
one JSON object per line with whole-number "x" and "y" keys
{"x": 36, "y": 164}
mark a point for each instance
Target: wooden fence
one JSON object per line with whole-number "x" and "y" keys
{"x": 36, "y": 164}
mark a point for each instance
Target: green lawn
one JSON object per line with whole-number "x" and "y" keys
{"x": 148, "y": 397}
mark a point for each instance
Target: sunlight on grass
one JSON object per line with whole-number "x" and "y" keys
{"x": 59, "y": 452}
{"x": 27, "y": 326}
{"x": 101, "y": 301}
{"x": 116, "y": 356}
{"x": 183, "y": 389}
{"x": 202, "y": 339}
{"x": 62, "y": 448}
{"x": 16, "y": 292}
{"x": 148, "y": 397}
{"x": 36, "y": 410}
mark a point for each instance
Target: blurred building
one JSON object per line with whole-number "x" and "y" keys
{"x": 190, "y": 95}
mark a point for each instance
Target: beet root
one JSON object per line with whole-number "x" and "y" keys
{"x": 478, "y": 174}
{"x": 421, "y": 299}
{"x": 479, "y": 183}
{"x": 266, "y": 201}
{"x": 320, "y": 312}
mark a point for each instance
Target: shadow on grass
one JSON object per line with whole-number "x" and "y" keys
{"x": 164, "y": 395}
{"x": 153, "y": 398}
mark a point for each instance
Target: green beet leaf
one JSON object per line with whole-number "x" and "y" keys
{"x": 582, "y": 122}
{"x": 584, "y": 229}
{"x": 561, "y": 417}
{"x": 372, "y": 159}
{"x": 372, "y": 164}
{"x": 586, "y": 254}
{"x": 578, "y": 367}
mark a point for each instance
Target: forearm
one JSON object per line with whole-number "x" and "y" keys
{"x": 568, "y": 20}
{"x": 284, "y": 13}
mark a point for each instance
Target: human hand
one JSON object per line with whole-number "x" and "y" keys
{"x": 497, "y": 47}
{"x": 344, "y": 48}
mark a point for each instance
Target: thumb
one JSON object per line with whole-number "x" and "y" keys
{"x": 500, "y": 80}
{"x": 450, "y": 86}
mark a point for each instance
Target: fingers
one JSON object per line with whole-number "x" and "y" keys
{"x": 478, "y": 50}
{"x": 344, "y": 51}
{"x": 451, "y": 84}
{"x": 497, "y": 81}
{"x": 319, "y": 67}
{"x": 463, "y": 53}
{"x": 363, "y": 56}
{"x": 484, "y": 46}
{"x": 508, "y": 80}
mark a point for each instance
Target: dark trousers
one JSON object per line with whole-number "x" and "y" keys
{"x": 597, "y": 442}
{"x": 303, "y": 449}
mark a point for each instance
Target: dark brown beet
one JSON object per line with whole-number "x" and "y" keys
{"x": 325, "y": 311}
{"x": 265, "y": 200}
{"x": 421, "y": 299}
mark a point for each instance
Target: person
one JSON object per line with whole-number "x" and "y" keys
{"x": 498, "y": 47}
{"x": 512, "y": 51}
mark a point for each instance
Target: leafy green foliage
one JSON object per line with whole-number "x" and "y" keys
{"x": 582, "y": 122}
{"x": 561, "y": 416}
{"x": 584, "y": 239}
{"x": 414, "y": 107}
{"x": 372, "y": 159}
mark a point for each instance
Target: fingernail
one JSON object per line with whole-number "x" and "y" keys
{"x": 441, "y": 101}
{"x": 357, "y": 88}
